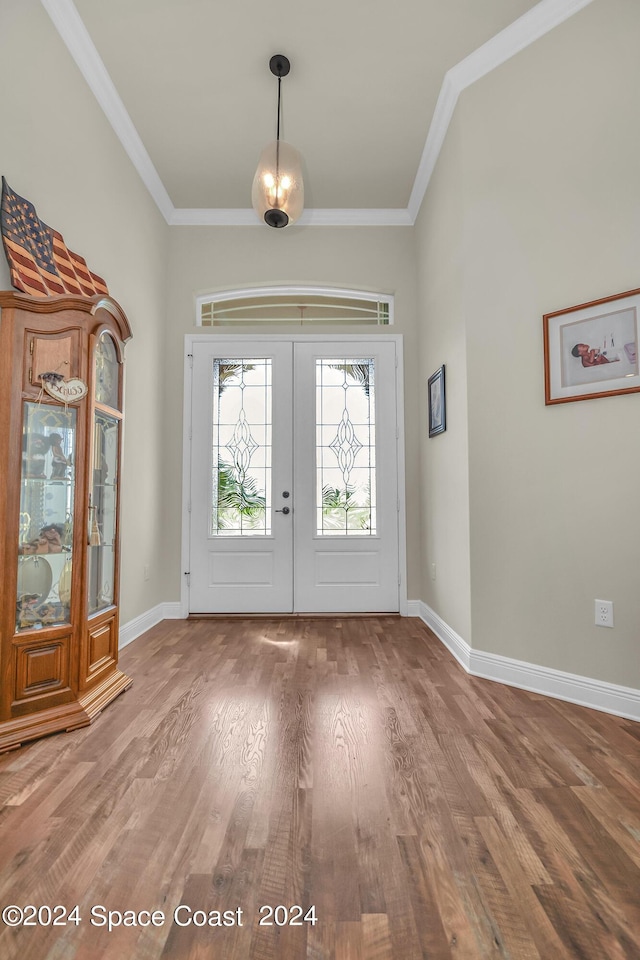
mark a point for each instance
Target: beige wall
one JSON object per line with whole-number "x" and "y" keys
{"x": 207, "y": 258}
{"x": 445, "y": 457}
{"x": 545, "y": 165}
{"x": 57, "y": 149}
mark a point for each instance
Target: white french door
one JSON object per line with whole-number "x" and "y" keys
{"x": 293, "y": 476}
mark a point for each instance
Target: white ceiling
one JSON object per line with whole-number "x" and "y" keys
{"x": 187, "y": 87}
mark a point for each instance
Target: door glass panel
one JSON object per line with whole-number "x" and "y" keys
{"x": 46, "y": 516}
{"x": 241, "y": 445}
{"x": 102, "y": 511}
{"x": 345, "y": 448}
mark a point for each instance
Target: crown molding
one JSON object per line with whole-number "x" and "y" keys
{"x": 384, "y": 217}
{"x": 528, "y": 28}
{"x": 442, "y": 115}
{"x": 209, "y": 217}
{"x": 310, "y": 218}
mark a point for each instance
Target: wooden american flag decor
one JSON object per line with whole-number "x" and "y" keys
{"x": 39, "y": 260}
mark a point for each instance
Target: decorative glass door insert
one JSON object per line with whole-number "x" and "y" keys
{"x": 345, "y": 447}
{"x": 241, "y": 448}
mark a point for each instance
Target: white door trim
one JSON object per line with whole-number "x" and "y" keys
{"x": 193, "y": 338}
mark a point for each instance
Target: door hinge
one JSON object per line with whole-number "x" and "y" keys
{"x": 190, "y": 358}
{"x": 187, "y": 574}
{"x": 189, "y": 507}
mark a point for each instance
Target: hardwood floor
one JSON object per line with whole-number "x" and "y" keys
{"x": 348, "y": 764}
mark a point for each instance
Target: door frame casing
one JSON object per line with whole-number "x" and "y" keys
{"x": 192, "y": 338}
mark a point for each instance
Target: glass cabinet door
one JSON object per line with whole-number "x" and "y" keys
{"x": 103, "y": 499}
{"x": 107, "y": 373}
{"x": 47, "y": 488}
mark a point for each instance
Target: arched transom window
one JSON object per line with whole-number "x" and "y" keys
{"x": 302, "y": 306}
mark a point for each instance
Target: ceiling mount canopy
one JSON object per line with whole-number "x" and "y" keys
{"x": 278, "y": 191}
{"x": 279, "y": 66}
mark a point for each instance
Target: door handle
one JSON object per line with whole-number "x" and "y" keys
{"x": 284, "y": 510}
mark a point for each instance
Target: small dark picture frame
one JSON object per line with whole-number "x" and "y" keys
{"x": 437, "y": 403}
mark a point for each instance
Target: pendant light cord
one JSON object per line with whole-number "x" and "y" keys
{"x": 278, "y": 133}
{"x": 277, "y": 197}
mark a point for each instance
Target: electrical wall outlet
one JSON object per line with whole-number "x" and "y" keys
{"x": 146, "y": 571}
{"x": 604, "y": 613}
{"x": 433, "y": 571}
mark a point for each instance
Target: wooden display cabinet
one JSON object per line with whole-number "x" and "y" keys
{"x": 59, "y": 504}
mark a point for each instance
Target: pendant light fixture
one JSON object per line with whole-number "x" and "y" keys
{"x": 278, "y": 191}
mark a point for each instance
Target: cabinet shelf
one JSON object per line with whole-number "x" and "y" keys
{"x": 54, "y": 481}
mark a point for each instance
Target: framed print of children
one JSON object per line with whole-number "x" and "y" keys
{"x": 591, "y": 349}
{"x": 599, "y": 348}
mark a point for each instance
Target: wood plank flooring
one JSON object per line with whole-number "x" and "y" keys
{"x": 346, "y": 764}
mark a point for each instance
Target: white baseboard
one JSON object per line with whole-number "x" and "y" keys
{"x": 413, "y": 608}
{"x": 139, "y": 625}
{"x": 452, "y": 640}
{"x": 174, "y": 611}
{"x": 584, "y": 691}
